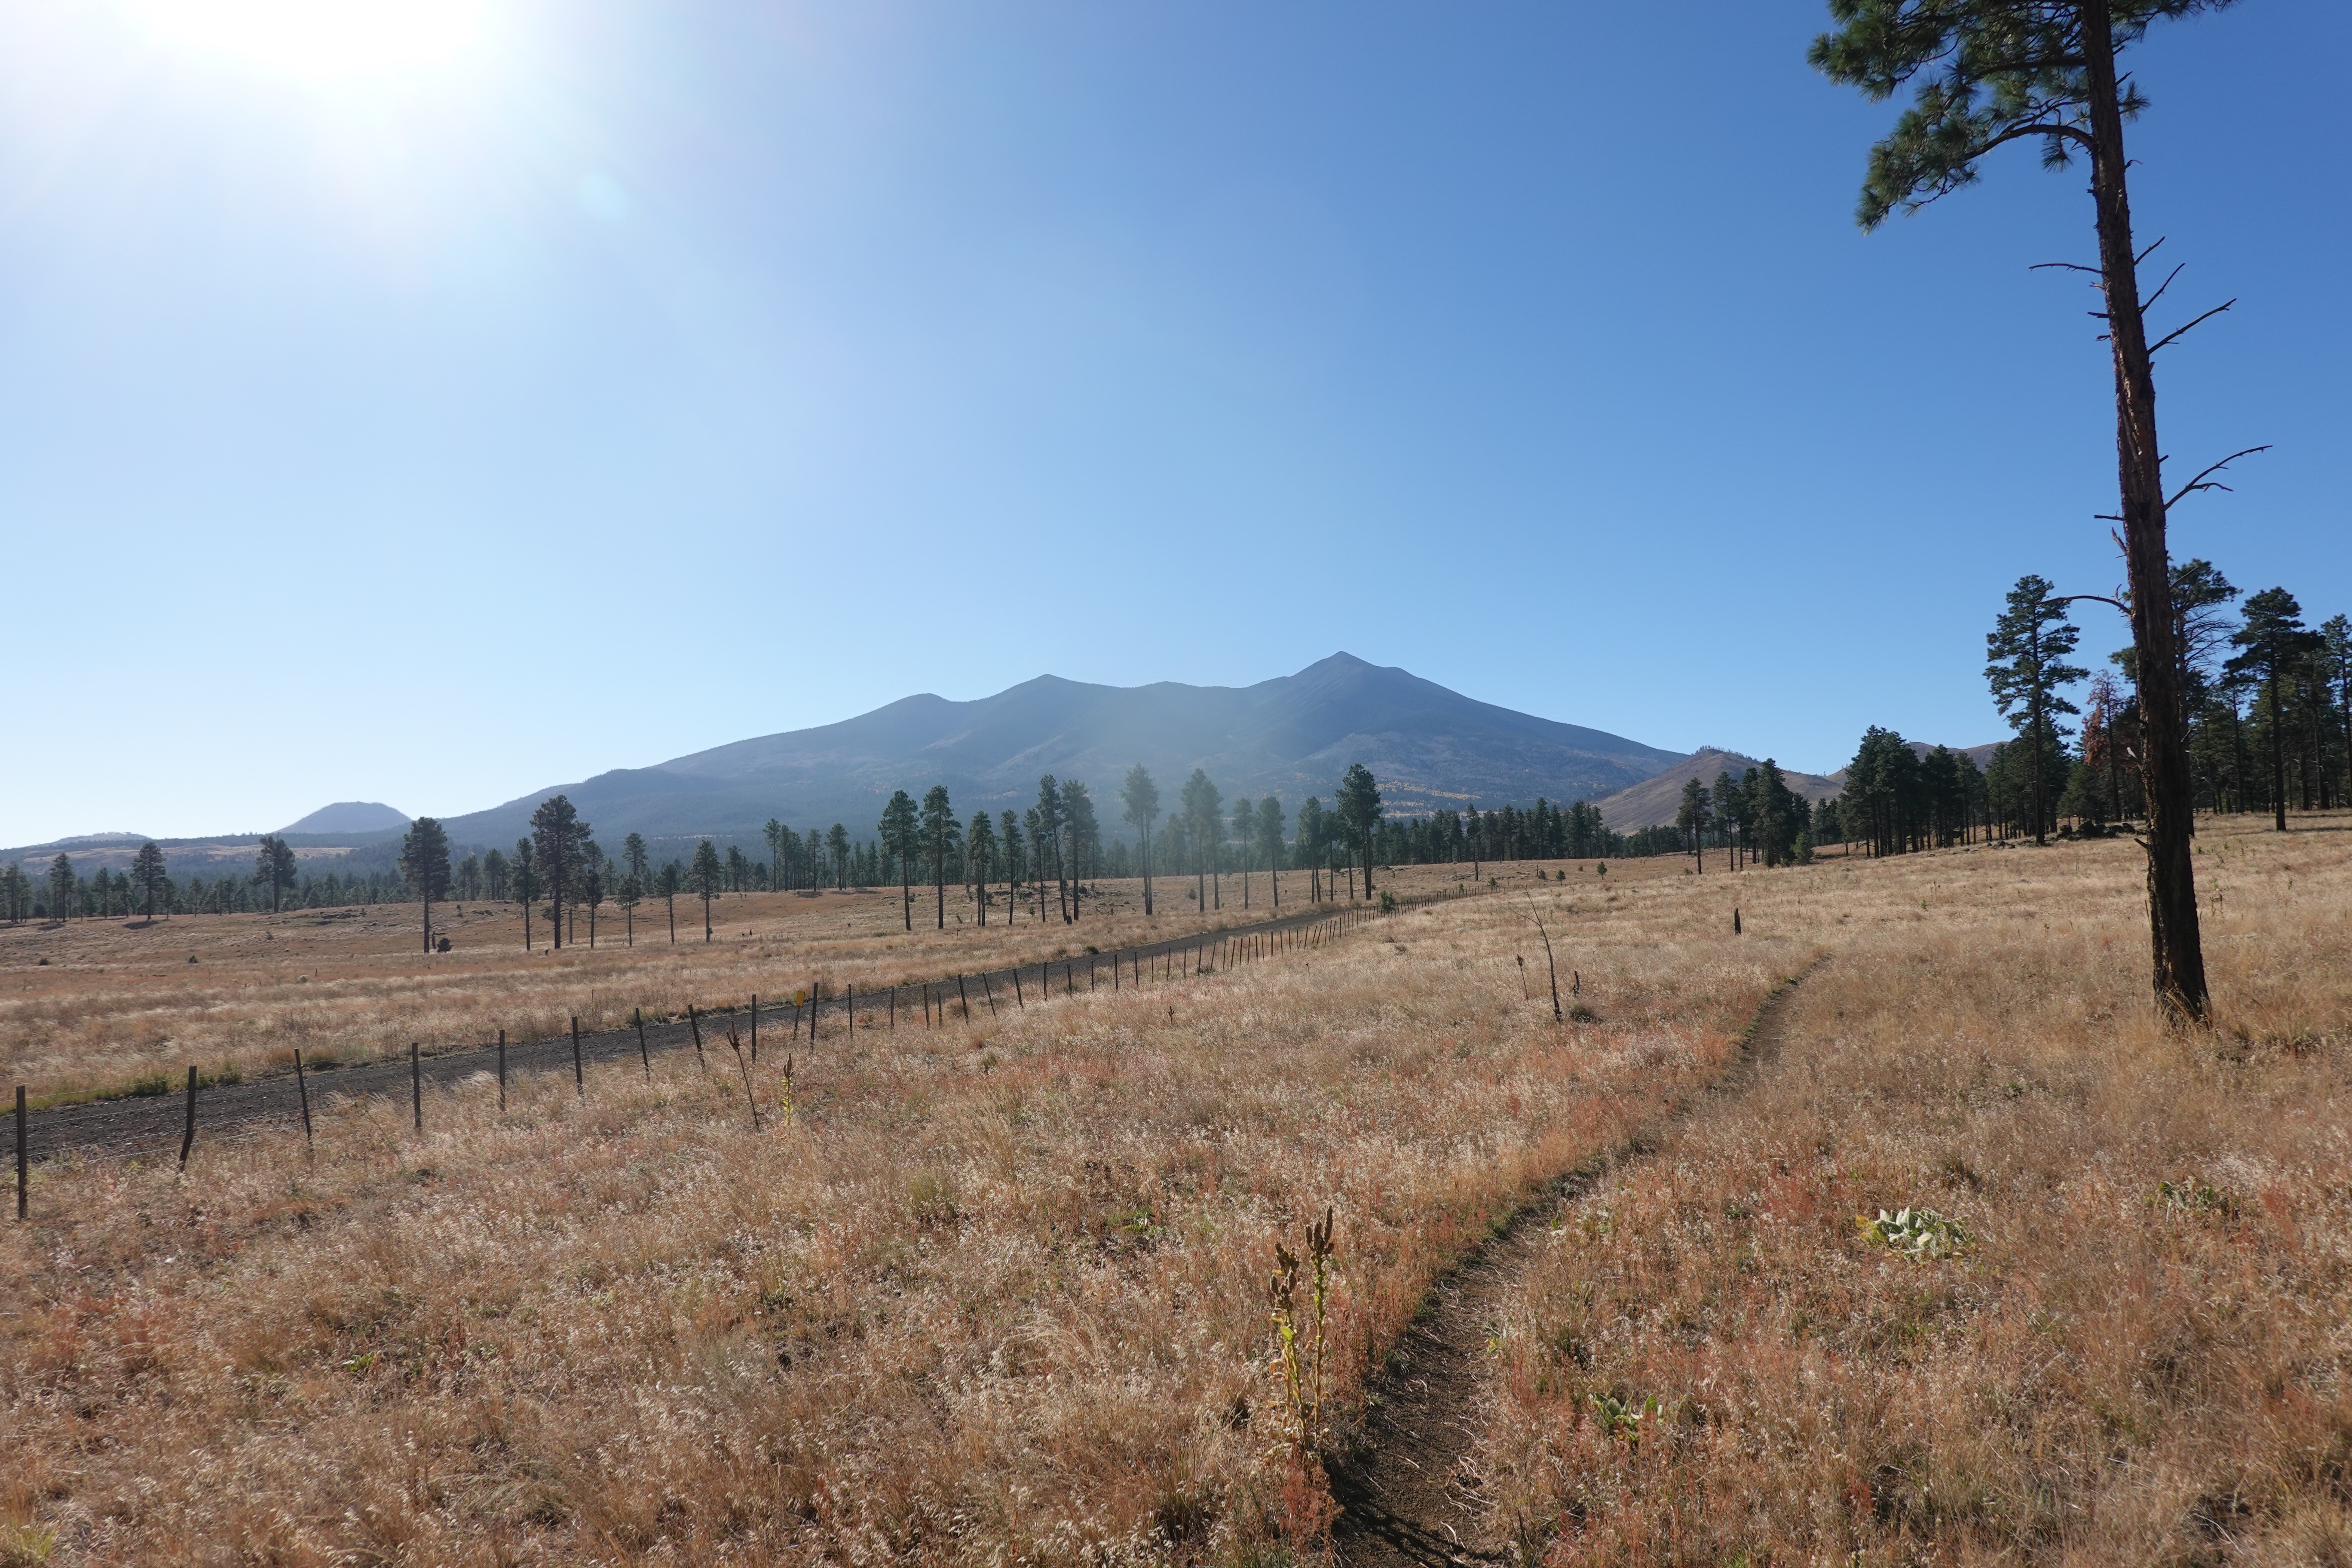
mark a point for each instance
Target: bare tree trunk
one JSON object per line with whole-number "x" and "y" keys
{"x": 2278, "y": 751}
{"x": 2176, "y": 948}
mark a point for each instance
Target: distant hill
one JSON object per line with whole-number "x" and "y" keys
{"x": 1430, "y": 748}
{"x": 1656, "y": 798}
{"x": 350, "y": 816}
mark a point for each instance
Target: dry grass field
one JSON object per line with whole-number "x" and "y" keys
{"x": 2142, "y": 1352}
{"x": 998, "y": 1293}
{"x": 95, "y": 1005}
{"x": 980, "y": 1294}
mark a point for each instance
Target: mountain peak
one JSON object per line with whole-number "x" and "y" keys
{"x": 350, "y": 816}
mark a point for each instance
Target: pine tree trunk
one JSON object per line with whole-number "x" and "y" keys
{"x": 2278, "y": 751}
{"x": 2176, "y": 948}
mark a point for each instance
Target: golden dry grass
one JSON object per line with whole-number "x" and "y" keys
{"x": 2144, "y": 1358}
{"x": 996, "y": 1293}
{"x": 118, "y": 1000}
{"x": 991, "y": 1294}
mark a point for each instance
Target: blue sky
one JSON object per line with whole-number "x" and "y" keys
{"x": 492, "y": 393}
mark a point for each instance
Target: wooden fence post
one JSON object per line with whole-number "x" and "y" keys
{"x": 695, "y": 1025}
{"x": 643, "y": 1055}
{"x": 1016, "y": 989}
{"x": 188, "y": 1138}
{"x": 963, "y": 998}
{"x": 24, "y": 1176}
{"x": 579, "y": 1078}
{"x": 986, "y": 991}
{"x": 415, "y": 1087}
{"x": 302, "y": 1088}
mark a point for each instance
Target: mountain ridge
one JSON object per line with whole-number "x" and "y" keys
{"x": 1294, "y": 735}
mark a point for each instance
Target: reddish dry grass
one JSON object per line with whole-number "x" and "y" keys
{"x": 2145, "y": 1358}
{"x": 991, "y": 1294}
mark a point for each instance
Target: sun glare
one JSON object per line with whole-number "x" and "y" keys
{"x": 318, "y": 41}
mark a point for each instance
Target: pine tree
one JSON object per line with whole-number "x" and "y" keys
{"x": 1245, "y": 840}
{"x": 1987, "y": 72}
{"x": 708, "y": 878}
{"x": 1013, "y": 842}
{"x": 593, "y": 889}
{"x": 524, "y": 875}
{"x": 1085, "y": 834}
{"x": 2274, "y": 641}
{"x": 1311, "y": 840}
{"x": 1202, "y": 810}
{"x": 632, "y": 855}
{"x": 897, "y": 832}
{"x": 424, "y": 861}
{"x": 2026, "y": 664}
{"x": 629, "y": 895}
{"x": 1359, "y": 802}
{"x": 1269, "y": 844}
{"x": 557, "y": 833}
{"x": 1141, "y": 799}
{"x": 1693, "y": 817}
{"x": 980, "y": 856}
{"x": 671, "y": 878}
{"x": 1050, "y": 821}
{"x": 836, "y": 849}
{"x": 147, "y": 875}
{"x": 273, "y": 864}
{"x": 939, "y": 837}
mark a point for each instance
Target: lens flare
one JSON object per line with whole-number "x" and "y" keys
{"x": 318, "y": 41}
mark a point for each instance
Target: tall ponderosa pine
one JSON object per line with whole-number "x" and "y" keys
{"x": 1313, "y": 835}
{"x": 1204, "y": 825}
{"x": 424, "y": 861}
{"x": 147, "y": 875}
{"x": 1140, "y": 797}
{"x": 632, "y": 855}
{"x": 1694, "y": 815}
{"x": 1269, "y": 844}
{"x": 2274, "y": 642}
{"x": 708, "y": 878}
{"x": 1989, "y": 73}
{"x": 980, "y": 857}
{"x": 593, "y": 887}
{"x": 273, "y": 864}
{"x": 666, "y": 882}
{"x": 61, "y": 888}
{"x": 898, "y": 832}
{"x": 2025, "y": 665}
{"x": 940, "y": 834}
{"x": 1359, "y": 801}
{"x": 1051, "y": 820}
{"x": 558, "y": 833}
{"x": 524, "y": 875}
{"x": 1013, "y": 845}
{"x": 836, "y": 851}
{"x": 1085, "y": 835}
{"x": 1245, "y": 840}
{"x": 629, "y": 895}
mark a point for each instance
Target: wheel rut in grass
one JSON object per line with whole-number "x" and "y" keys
{"x": 1412, "y": 1496}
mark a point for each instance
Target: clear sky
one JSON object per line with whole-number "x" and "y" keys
{"x": 428, "y": 400}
